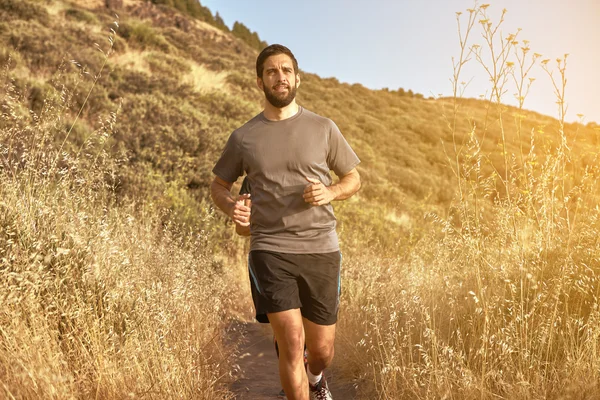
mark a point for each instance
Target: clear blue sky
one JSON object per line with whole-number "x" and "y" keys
{"x": 409, "y": 43}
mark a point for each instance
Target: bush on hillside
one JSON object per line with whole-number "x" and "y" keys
{"x": 189, "y": 7}
{"x": 80, "y": 15}
{"x": 23, "y": 10}
{"x": 143, "y": 36}
{"x": 168, "y": 65}
{"x": 36, "y": 46}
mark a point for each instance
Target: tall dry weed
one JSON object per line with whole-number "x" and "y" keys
{"x": 98, "y": 299}
{"x": 499, "y": 297}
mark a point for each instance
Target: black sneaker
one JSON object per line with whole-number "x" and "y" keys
{"x": 320, "y": 391}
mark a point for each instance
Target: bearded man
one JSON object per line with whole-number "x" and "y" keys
{"x": 287, "y": 153}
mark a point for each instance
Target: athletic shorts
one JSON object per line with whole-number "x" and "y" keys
{"x": 283, "y": 281}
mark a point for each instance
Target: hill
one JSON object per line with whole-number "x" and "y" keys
{"x": 124, "y": 140}
{"x": 193, "y": 83}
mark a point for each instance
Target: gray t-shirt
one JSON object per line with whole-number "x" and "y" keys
{"x": 277, "y": 156}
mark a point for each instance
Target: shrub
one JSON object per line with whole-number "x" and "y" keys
{"x": 23, "y": 10}
{"x": 80, "y": 15}
{"x": 143, "y": 36}
{"x": 167, "y": 65}
{"x": 36, "y": 46}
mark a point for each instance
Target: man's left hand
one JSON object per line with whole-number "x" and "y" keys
{"x": 316, "y": 193}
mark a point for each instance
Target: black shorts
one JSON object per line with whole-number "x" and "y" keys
{"x": 282, "y": 281}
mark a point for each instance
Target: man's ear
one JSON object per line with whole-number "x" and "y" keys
{"x": 259, "y": 83}
{"x": 297, "y": 81}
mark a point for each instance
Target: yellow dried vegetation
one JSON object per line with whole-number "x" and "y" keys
{"x": 100, "y": 297}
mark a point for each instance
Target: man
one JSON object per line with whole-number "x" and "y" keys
{"x": 287, "y": 153}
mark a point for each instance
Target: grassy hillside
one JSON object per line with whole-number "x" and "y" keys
{"x": 472, "y": 250}
{"x": 192, "y": 84}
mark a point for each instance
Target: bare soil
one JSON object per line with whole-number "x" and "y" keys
{"x": 257, "y": 377}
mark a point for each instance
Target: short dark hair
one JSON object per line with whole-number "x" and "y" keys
{"x": 273, "y": 50}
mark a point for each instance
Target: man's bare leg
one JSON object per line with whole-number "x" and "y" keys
{"x": 289, "y": 332}
{"x": 319, "y": 344}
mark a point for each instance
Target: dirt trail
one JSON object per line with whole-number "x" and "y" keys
{"x": 258, "y": 377}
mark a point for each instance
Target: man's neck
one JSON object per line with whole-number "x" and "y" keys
{"x": 279, "y": 114}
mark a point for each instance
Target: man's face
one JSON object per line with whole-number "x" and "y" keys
{"x": 279, "y": 82}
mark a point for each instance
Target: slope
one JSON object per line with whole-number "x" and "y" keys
{"x": 174, "y": 88}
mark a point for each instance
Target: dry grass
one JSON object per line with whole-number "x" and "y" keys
{"x": 56, "y": 8}
{"x": 204, "y": 80}
{"x": 200, "y": 78}
{"x": 497, "y": 297}
{"x": 97, "y": 299}
{"x": 133, "y": 60}
{"x": 94, "y": 4}
{"x": 105, "y": 302}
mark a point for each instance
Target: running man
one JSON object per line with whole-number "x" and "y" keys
{"x": 287, "y": 153}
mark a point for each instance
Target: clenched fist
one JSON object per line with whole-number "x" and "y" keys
{"x": 240, "y": 213}
{"x": 316, "y": 193}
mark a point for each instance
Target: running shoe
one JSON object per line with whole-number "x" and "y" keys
{"x": 305, "y": 357}
{"x": 320, "y": 391}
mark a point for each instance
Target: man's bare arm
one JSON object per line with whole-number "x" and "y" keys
{"x": 242, "y": 230}
{"x": 220, "y": 191}
{"x": 317, "y": 194}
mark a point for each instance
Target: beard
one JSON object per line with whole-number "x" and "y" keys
{"x": 280, "y": 100}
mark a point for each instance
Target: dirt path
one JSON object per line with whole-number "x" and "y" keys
{"x": 257, "y": 377}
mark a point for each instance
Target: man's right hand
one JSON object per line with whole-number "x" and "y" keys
{"x": 239, "y": 229}
{"x": 240, "y": 212}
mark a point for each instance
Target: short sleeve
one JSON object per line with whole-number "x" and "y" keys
{"x": 341, "y": 159}
{"x": 229, "y": 167}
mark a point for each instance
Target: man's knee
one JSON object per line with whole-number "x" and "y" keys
{"x": 322, "y": 352}
{"x": 292, "y": 343}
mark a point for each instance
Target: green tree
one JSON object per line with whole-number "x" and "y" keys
{"x": 219, "y": 23}
{"x": 192, "y": 8}
{"x": 240, "y": 30}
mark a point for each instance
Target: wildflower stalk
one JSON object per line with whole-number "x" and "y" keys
{"x": 106, "y": 55}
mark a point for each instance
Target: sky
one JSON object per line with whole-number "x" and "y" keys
{"x": 409, "y": 44}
